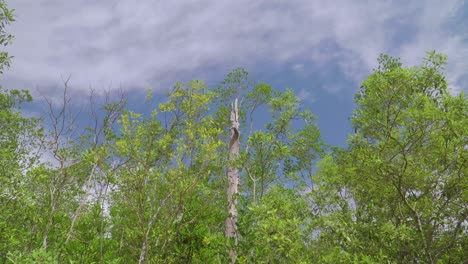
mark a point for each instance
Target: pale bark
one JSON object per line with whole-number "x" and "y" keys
{"x": 233, "y": 182}
{"x": 144, "y": 244}
{"x": 83, "y": 198}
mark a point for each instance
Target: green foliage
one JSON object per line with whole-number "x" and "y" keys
{"x": 274, "y": 230}
{"x": 19, "y": 139}
{"x": 6, "y": 17}
{"x": 399, "y": 187}
{"x": 39, "y": 256}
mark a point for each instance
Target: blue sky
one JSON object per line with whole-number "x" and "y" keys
{"x": 321, "y": 49}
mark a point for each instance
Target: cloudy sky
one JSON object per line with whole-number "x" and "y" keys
{"x": 322, "y": 49}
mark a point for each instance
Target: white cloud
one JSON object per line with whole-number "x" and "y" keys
{"x": 298, "y": 68}
{"x": 434, "y": 35}
{"x": 305, "y": 95}
{"x": 140, "y": 43}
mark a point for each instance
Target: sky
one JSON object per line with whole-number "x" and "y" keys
{"x": 321, "y": 49}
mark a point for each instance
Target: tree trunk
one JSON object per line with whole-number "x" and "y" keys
{"x": 233, "y": 182}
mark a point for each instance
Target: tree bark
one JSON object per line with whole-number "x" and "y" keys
{"x": 144, "y": 244}
{"x": 233, "y": 182}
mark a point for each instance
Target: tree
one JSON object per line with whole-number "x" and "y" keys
{"x": 280, "y": 145}
{"x": 398, "y": 192}
{"x": 20, "y": 138}
{"x": 233, "y": 181}
{"x": 166, "y": 181}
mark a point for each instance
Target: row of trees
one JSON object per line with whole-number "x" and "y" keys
{"x": 154, "y": 188}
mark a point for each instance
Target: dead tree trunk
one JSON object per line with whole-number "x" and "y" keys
{"x": 233, "y": 183}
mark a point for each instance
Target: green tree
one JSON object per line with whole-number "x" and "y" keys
{"x": 166, "y": 207}
{"x": 280, "y": 143}
{"x": 19, "y": 140}
{"x": 398, "y": 193}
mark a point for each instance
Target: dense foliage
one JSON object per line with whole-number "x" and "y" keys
{"x": 152, "y": 188}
